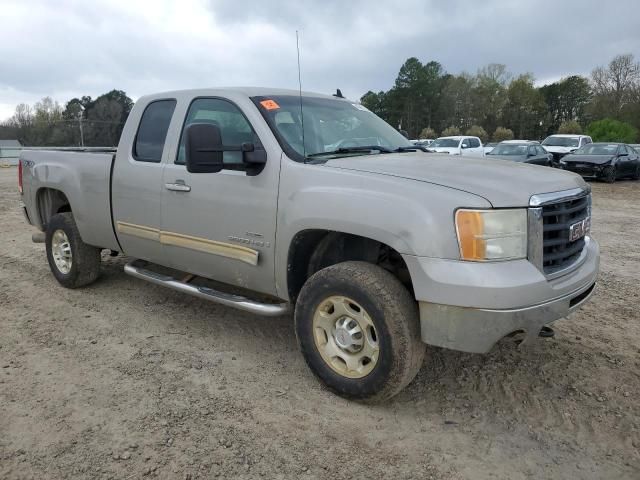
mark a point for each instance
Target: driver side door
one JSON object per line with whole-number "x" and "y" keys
{"x": 222, "y": 225}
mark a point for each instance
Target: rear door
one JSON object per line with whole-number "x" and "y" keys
{"x": 626, "y": 164}
{"x": 475, "y": 147}
{"x": 222, "y": 225}
{"x": 137, "y": 182}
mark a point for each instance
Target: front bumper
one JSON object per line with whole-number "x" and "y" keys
{"x": 470, "y": 306}
{"x": 585, "y": 170}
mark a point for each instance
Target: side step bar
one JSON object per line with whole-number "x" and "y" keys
{"x": 136, "y": 269}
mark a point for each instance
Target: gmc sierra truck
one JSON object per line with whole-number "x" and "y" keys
{"x": 272, "y": 201}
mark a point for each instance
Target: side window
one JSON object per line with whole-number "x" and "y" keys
{"x": 586, "y": 141}
{"x": 473, "y": 142}
{"x": 152, "y": 131}
{"x": 532, "y": 151}
{"x": 234, "y": 127}
{"x": 541, "y": 151}
{"x": 623, "y": 149}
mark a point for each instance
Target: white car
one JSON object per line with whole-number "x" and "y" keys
{"x": 561, "y": 144}
{"x": 458, "y": 145}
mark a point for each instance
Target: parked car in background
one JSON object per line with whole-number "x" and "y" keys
{"x": 458, "y": 145}
{"x": 489, "y": 146}
{"x": 561, "y": 144}
{"x": 608, "y": 161}
{"x": 422, "y": 142}
{"x": 524, "y": 151}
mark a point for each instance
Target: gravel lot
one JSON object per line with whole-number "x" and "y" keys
{"x": 124, "y": 379}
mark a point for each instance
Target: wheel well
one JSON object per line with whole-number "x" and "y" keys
{"x": 313, "y": 250}
{"x": 50, "y": 201}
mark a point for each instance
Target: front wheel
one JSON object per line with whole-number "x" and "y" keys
{"x": 73, "y": 262}
{"x": 609, "y": 174}
{"x": 358, "y": 329}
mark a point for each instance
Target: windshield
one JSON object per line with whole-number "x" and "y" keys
{"x": 598, "y": 149}
{"x": 510, "y": 149}
{"x": 445, "y": 143}
{"x": 329, "y": 125}
{"x": 561, "y": 141}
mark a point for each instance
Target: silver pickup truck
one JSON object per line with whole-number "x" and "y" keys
{"x": 271, "y": 201}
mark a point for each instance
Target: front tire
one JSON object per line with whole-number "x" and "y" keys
{"x": 358, "y": 329}
{"x": 609, "y": 174}
{"x": 73, "y": 263}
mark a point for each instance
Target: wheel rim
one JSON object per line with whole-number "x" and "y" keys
{"x": 346, "y": 337}
{"x": 61, "y": 251}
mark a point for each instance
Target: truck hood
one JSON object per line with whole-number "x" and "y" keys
{"x": 501, "y": 182}
{"x": 559, "y": 149}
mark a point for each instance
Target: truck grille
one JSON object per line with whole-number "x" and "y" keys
{"x": 558, "y": 251}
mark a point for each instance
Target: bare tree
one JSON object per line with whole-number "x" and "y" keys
{"x": 618, "y": 84}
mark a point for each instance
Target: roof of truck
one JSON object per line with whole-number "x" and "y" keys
{"x": 568, "y": 135}
{"x": 248, "y": 91}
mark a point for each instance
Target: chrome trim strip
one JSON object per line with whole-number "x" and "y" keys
{"x": 137, "y": 269}
{"x": 535, "y": 235}
{"x": 540, "y": 199}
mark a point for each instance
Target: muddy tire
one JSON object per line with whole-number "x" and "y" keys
{"x": 358, "y": 329}
{"x": 73, "y": 262}
{"x": 609, "y": 174}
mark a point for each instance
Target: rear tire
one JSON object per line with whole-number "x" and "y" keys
{"x": 636, "y": 174}
{"x": 73, "y": 263}
{"x": 609, "y": 174}
{"x": 358, "y": 330}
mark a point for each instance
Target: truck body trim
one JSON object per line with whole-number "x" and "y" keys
{"x": 223, "y": 249}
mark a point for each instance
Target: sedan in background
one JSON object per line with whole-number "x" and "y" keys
{"x": 522, "y": 151}
{"x": 489, "y": 146}
{"x": 608, "y": 161}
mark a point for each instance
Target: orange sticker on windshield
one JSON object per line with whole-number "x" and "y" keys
{"x": 269, "y": 104}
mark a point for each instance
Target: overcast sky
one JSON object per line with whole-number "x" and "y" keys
{"x": 67, "y": 48}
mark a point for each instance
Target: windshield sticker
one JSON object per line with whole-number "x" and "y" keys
{"x": 360, "y": 107}
{"x": 269, "y": 104}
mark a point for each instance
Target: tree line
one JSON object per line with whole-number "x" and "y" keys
{"x": 426, "y": 101}
{"x": 82, "y": 122}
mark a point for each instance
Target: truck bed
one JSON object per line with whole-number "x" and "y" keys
{"x": 83, "y": 176}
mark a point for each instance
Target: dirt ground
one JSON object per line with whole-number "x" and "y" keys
{"x": 127, "y": 380}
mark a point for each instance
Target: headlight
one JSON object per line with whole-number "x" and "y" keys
{"x": 488, "y": 235}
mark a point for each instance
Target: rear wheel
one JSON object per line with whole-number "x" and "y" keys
{"x": 636, "y": 173}
{"x": 358, "y": 330}
{"x": 72, "y": 262}
{"x": 609, "y": 174}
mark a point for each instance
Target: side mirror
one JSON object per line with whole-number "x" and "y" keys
{"x": 253, "y": 159}
{"x": 623, "y": 154}
{"x": 464, "y": 145}
{"x": 203, "y": 148}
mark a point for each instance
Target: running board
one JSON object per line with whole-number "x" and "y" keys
{"x": 136, "y": 269}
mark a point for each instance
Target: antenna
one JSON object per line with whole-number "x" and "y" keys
{"x": 304, "y": 149}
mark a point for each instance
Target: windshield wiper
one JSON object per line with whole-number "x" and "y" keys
{"x": 340, "y": 150}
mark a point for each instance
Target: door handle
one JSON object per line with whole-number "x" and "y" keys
{"x": 177, "y": 187}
